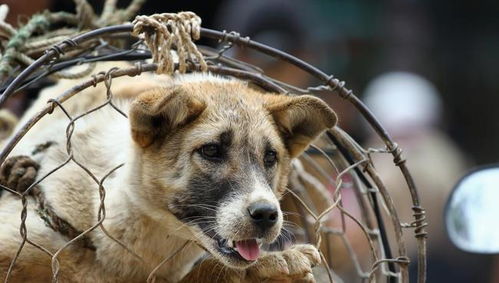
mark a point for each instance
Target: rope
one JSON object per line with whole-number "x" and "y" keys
{"x": 131, "y": 10}
{"x": 56, "y": 223}
{"x": 18, "y": 39}
{"x": 108, "y": 10}
{"x": 75, "y": 75}
{"x": 5, "y": 28}
{"x": 164, "y": 32}
{"x": 85, "y": 14}
{"x": 4, "y": 10}
{"x": 21, "y": 46}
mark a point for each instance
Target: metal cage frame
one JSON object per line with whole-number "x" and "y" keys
{"x": 356, "y": 160}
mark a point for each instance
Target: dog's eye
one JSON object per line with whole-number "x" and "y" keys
{"x": 211, "y": 151}
{"x": 270, "y": 158}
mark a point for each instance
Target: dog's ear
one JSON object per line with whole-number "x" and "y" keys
{"x": 159, "y": 111}
{"x": 300, "y": 119}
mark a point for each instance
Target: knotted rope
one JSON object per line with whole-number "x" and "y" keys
{"x": 18, "y": 39}
{"x": 165, "y": 32}
{"x": 21, "y": 46}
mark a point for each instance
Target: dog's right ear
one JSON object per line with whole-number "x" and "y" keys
{"x": 300, "y": 119}
{"x": 159, "y": 111}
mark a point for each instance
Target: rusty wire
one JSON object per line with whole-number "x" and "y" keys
{"x": 386, "y": 258}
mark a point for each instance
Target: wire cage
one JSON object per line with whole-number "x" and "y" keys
{"x": 335, "y": 165}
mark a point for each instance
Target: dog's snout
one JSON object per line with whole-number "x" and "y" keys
{"x": 263, "y": 214}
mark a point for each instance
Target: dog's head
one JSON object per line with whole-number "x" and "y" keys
{"x": 216, "y": 154}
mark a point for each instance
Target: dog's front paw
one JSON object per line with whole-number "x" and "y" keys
{"x": 18, "y": 173}
{"x": 292, "y": 265}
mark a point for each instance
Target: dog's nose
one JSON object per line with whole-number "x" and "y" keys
{"x": 263, "y": 214}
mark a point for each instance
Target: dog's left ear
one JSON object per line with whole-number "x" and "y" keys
{"x": 300, "y": 119}
{"x": 160, "y": 111}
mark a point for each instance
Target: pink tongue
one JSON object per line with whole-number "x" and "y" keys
{"x": 248, "y": 249}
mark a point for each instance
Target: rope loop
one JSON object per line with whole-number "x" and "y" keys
{"x": 163, "y": 33}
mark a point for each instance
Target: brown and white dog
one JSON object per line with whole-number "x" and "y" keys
{"x": 206, "y": 161}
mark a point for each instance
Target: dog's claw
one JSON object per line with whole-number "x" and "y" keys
{"x": 292, "y": 265}
{"x": 18, "y": 173}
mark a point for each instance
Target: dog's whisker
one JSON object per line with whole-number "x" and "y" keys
{"x": 193, "y": 222}
{"x": 287, "y": 237}
{"x": 199, "y": 217}
{"x": 287, "y": 213}
{"x": 287, "y": 223}
{"x": 202, "y": 206}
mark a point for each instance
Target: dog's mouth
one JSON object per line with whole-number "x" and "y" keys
{"x": 245, "y": 250}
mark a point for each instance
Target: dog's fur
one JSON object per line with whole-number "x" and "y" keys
{"x": 168, "y": 193}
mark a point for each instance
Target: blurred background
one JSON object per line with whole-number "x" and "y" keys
{"x": 427, "y": 69}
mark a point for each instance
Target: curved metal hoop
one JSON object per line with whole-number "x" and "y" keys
{"x": 353, "y": 154}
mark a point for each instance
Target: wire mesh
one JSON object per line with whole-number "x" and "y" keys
{"x": 336, "y": 169}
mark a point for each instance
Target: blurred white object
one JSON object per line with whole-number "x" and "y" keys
{"x": 472, "y": 210}
{"x": 4, "y": 10}
{"x": 402, "y": 101}
{"x": 409, "y": 107}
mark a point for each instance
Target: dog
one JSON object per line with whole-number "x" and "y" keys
{"x": 205, "y": 161}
